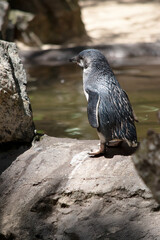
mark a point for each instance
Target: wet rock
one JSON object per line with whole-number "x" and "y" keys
{"x": 4, "y": 10}
{"x": 147, "y": 162}
{"x": 55, "y": 190}
{"x": 16, "y": 123}
{"x": 52, "y": 21}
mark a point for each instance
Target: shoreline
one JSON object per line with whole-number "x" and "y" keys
{"x": 117, "y": 54}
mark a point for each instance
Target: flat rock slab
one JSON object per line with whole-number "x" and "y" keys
{"x": 54, "y": 190}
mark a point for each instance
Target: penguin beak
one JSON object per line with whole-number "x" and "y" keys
{"x": 74, "y": 59}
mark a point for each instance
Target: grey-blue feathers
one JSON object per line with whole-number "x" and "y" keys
{"x": 109, "y": 109}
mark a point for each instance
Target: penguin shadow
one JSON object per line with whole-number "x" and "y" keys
{"x": 123, "y": 149}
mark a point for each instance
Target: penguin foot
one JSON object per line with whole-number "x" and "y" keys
{"x": 101, "y": 151}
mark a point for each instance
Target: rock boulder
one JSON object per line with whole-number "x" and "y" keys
{"x": 55, "y": 191}
{"x": 16, "y": 123}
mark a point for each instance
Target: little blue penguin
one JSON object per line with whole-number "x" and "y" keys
{"x": 109, "y": 109}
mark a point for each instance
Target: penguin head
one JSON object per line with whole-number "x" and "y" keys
{"x": 88, "y": 58}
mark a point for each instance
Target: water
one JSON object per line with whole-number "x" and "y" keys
{"x": 59, "y": 104}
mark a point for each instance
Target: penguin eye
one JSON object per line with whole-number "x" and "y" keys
{"x": 80, "y": 58}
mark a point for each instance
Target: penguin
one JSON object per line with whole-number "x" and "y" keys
{"x": 109, "y": 109}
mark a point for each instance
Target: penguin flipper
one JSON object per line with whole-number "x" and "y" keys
{"x": 92, "y": 109}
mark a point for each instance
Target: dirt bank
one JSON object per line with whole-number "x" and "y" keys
{"x": 121, "y": 21}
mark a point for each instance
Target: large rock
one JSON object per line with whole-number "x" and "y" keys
{"x": 16, "y": 123}
{"x": 53, "y": 21}
{"x": 55, "y": 190}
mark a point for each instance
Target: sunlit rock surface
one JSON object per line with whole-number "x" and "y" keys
{"x": 54, "y": 190}
{"x": 121, "y": 21}
{"x": 16, "y": 122}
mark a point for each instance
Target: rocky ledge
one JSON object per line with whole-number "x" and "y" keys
{"x": 54, "y": 190}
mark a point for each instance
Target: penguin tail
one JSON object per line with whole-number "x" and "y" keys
{"x": 131, "y": 144}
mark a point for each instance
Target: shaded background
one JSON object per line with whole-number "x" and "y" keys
{"x": 49, "y": 32}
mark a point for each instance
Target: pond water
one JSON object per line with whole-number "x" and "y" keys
{"x": 59, "y": 104}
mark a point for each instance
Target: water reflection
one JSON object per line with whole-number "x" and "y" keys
{"x": 59, "y": 105}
